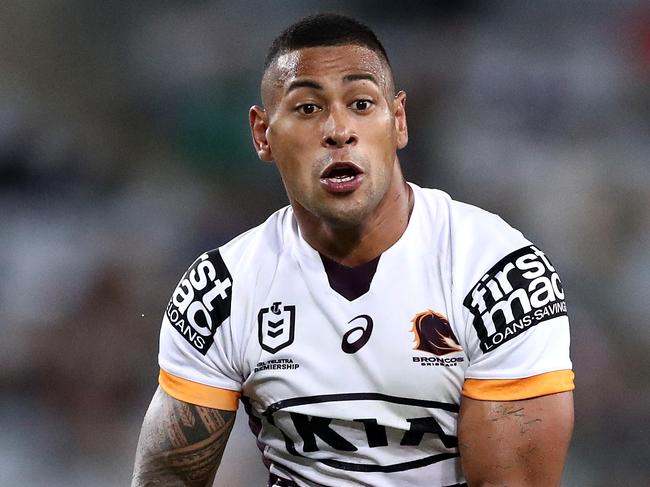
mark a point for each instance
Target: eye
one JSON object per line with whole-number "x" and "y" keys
{"x": 361, "y": 105}
{"x": 308, "y": 109}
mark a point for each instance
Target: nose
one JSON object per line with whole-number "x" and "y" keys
{"x": 338, "y": 131}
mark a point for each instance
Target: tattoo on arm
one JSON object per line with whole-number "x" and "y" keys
{"x": 180, "y": 444}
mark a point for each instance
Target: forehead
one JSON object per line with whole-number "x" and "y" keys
{"x": 322, "y": 62}
{"x": 328, "y": 60}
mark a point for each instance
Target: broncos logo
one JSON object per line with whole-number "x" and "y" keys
{"x": 433, "y": 334}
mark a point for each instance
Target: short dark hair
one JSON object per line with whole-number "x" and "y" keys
{"x": 325, "y": 29}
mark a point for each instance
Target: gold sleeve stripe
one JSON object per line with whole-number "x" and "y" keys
{"x": 199, "y": 394}
{"x": 513, "y": 389}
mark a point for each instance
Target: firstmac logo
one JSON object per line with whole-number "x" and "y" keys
{"x": 519, "y": 292}
{"x": 201, "y": 301}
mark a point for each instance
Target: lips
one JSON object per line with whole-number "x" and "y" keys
{"x": 341, "y": 177}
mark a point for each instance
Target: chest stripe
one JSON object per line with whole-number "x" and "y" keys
{"x": 359, "y": 396}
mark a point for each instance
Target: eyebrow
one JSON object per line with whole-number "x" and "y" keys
{"x": 360, "y": 76}
{"x": 303, "y": 83}
{"x": 306, "y": 83}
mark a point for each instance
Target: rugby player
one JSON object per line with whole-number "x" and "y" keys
{"x": 377, "y": 333}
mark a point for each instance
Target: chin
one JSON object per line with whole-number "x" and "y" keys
{"x": 345, "y": 217}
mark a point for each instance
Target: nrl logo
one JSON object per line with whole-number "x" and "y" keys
{"x": 276, "y": 326}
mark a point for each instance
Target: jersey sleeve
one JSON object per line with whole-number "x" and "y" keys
{"x": 514, "y": 316}
{"x": 196, "y": 346}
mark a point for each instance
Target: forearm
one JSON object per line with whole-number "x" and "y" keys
{"x": 180, "y": 444}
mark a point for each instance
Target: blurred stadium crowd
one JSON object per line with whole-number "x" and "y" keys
{"x": 125, "y": 152}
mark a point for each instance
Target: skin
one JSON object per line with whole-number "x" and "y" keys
{"x": 515, "y": 443}
{"x": 180, "y": 444}
{"x": 324, "y": 105}
{"x": 329, "y": 104}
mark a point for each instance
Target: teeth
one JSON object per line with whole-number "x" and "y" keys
{"x": 342, "y": 179}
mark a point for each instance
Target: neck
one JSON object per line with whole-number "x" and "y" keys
{"x": 353, "y": 245}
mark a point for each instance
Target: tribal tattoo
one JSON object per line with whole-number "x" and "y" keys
{"x": 180, "y": 444}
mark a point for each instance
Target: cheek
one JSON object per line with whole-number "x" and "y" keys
{"x": 290, "y": 140}
{"x": 381, "y": 126}
{"x": 383, "y": 138}
{"x": 293, "y": 160}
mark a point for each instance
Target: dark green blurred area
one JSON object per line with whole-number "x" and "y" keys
{"x": 210, "y": 127}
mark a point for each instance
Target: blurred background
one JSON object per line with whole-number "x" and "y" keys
{"x": 125, "y": 153}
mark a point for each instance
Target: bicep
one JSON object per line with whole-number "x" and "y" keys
{"x": 180, "y": 444}
{"x": 515, "y": 443}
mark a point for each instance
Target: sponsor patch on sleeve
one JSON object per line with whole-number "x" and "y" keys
{"x": 519, "y": 292}
{"x": 201, "y": 301}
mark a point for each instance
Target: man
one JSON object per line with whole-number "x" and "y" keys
{"x": 376, "y": 332}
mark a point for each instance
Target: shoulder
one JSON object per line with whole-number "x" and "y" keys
{"x": 242, "y": 257}
{"x": 469, "y": 225}
{"x": 476, "y": 239}
{"x": 480, "y": 239}
{"x": 262, "y": 243}
{"x": 470, "y": 238}
{"x": 218, "y": 280}
{"x": 462, "y": 218}
{"x": 482, "y": 251}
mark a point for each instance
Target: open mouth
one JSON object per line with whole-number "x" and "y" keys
{"x": 341, "y": 177}
{"x": 341, "y": 172}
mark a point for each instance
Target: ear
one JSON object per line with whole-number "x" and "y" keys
{"x": 399, "y": 107}
{"x": 258, "y": 119}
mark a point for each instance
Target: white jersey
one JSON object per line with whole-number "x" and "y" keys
{"x": 366, "y": 391}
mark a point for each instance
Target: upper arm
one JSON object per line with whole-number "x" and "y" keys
{"x": 516, "y": 414}
{"x": 180, "y": 444}
{"x": 515, "y": 443}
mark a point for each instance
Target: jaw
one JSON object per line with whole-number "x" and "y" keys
{"x": 340, "y": 211}
{"x": 355, "y": 227}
